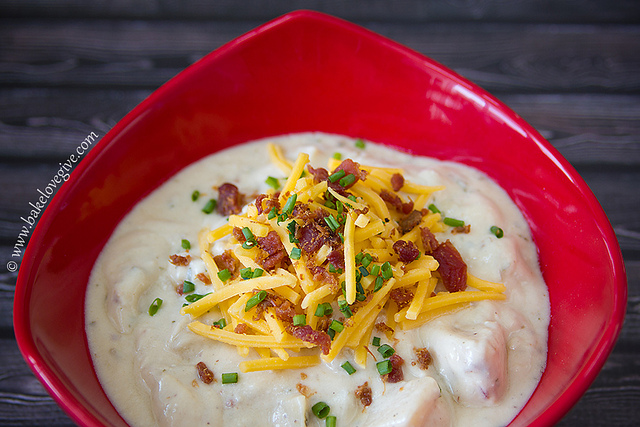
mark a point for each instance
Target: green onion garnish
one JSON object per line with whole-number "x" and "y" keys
{"x": 220, "y": 324}
{"x": 246, "y": 231}
{"x": 246, "y": 273}
{"x": 195, "y": 297}
{"x": 366, "y": 260}
{"x": 337, "y": 175}
{"x": 292, "y": 232}
{"x": 255, "y": 300}
{"x": 452, "y": 222}
{"x": 352, "y": 198}
{"x": 332, "y": 222}
{"x": 386, "y": 350}
{"x": 288, "y": 207}
{"x": 330, "y": 421}
{"x": 497, "y": 231}
{"x": 224, "y": 275}
{"x": 336, "y": 325}
{"x": 363, "y": 271}
{"x": 320, "y": 409}
{"x": 210, "y": 206}
{"x": 323, "y": 309}
{"x": 337, "y": 156}
{"x": 273, "y": 182}
{"x": 155, "y": 305}
{"x": 384, "y": 367}
{"x": 195, "y": 195}
{"x": 257, "y": 273}
{"x": 299, "y": 320}
{"x": 188, "y": 287}
{"x": 378, "y": 285}
{"x": 230, "y": 378}
{"x": 387, "y": 272}
{"x": 296, "y": 253}
{"x": 376, "y": 341}
{"x": 348, "y": 367}
{"x": 272, "y": 213}
{"x": 186, "y": 244}
{"x": 331, "y": 333}
{"x": 344, "y": 308}
{"x": 433, "y": 208}
{"x": 375, "y": 269}
{"x": 348, "y": 180}
{"x": 360, "y": 143}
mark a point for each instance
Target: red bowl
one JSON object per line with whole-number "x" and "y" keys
{"x": 310, "y": 72}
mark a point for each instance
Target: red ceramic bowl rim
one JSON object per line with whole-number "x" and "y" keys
{"x": 554, "y": 412}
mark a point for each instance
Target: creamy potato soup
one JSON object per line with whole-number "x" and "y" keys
{"x": 312, "y": 280}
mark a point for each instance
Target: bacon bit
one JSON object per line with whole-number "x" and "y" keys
{"x": 323, "y": 324}
{"x": 461, "y": 230}
{"x": 238, "y": 234}
{"x": 276, "y": 253}
{"x": 227, "y": 261}
{"x": 384, "y": 328}
{"x": 452, "y": 269}
{"x": 351, "y": 167}
{"x": 320, "y": 274}
{"x": 304, "y": 390}
{"x": 203, "y": 278}
{"x": 180, "y": 260}
{"x": 285, "y": 311}
{"x": 401, "y": 296}
{"x": 364, "y": 393}
{"x": 396, "y": 375}
{"x": 180, "y": 289}
{"x": 406, "y": 250}
{"x": 319, "y": 175}
{"x": 336, "y": 258}
{"x": 423, "y": 358}
{"x": 303, "y": 376}
{"x": 307, "y": 334}
{"x": 395, "y": 201}
{"x": 241, "y": 328}
{"x": 230, "y": 200}
{"x": 429, "y": 241}
{"x": 410, "y": 221}
{"x": 204, "y": 373}
{"x": 397, "y": 181}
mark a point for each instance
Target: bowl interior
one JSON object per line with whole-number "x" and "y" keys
{"x": 311, "y": 72}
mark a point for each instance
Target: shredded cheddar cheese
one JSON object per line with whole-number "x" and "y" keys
{"x": 346, "y": 260}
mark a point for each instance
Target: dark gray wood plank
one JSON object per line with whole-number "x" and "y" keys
{"x": 499, "y": 57}
{"x": 400, "y": 10}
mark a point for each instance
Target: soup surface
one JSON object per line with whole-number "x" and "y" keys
{"x": 470, "y": 362}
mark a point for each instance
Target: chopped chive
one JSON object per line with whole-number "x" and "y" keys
{"x": 224, "y": 275}
{"x": 386, "y": 350}
{"x": 348, "y": 367}
{"x": 360, "y": 143}
{"x": 336, "y": 326}
{"x": 320, "y": 409}
{"x": 337, "y": 175}
{"x": 291, "y": 201}
{"x": 188, "y": 287}
{"x": 272, "y": 213}
{"x": 330, "y": 421}
{"x": 384, "y": 367}
{"x": 292, "y": 232}
{"x": 230, "y": 378}
{"x": 366, "y": 260}
{"x": 186, "y": 244}
{"x": 359, "y": 257}
{"x": 352, "y": 198}
{"x": 387, "y": 272}
{"x": 248, "y": 244}
{"x": 378, "y": 284}
{"x": 452, "y": 222}
{"x": 195, "y": 195}
{"x": 331, "y": 333}
{"x": 296, "y": 253}
{"x": 299, "y": 320}
{"x": 330, "y": 204}
{"x": 337, "y": 156}
{"x": 195, "y": 297}
{"x": 433, "y": 208}
{"x": 255, "y": 300}
{"x": 348, "y": 180}
{"x": 376, "y": 341}
{"x": 246, "y": 231}
{"x": 257, "y": 273}
{"x": 332, "y": 222}
{"x": 155, "y": 305}
{"x": 363, "y": 271}
{"x": 210, "y": 206}
{"x": 497, "y": 231}
{"x": 340, "y": 207}
{"x": 323, "y": 309}
{"x": 375, "y": 269}
{"x": 246, "y": 273}
{"x": 273, "y": 182}
{"x": 344, "y": 308}
{"x": 220, "y": 324}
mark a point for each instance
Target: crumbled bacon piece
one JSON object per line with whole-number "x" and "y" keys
{"x": 452, "y": 269}
{"x": 319, "y": 175}
{"x": 315, "y": 232}
{"x": 406, "y": 250}
{"x": 396, "y": 375}
{"x": 429, "y": 241}
{"x": 304, "y": 390}
{"x": 465, "y": 229}
{"x": 230, "y": 200}
{"x": 226, "y": 261}
{"x": 204, "y": 373}
{"x": 238, "y": 234}
{"x": 179, "y": 260}
{"x": 203, "y": 278}
{"x": 423, "y": 358}
{"x": 285, "y": 311}
{"x": 180, "y": 289}
{"x": 353, "y": 168}
{"x": 410, "y": 221}
{"x": 276, "y": 253}
{"x": 397, "y": 181}
{"x": 336, "y": 258}
{"x": 364, "y": 393}
{"x": 264, "y": 203}
{"x": 241, "y": 328}
{"x": 320, "y": 274}
{"x": 383, "y": 327}
{"x": 395, "y": 201}
{"x": 307, "y": 334}
{"x": 401, "y": 296}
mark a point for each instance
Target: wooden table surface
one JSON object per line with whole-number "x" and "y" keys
{"x": 571, "y": 68}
